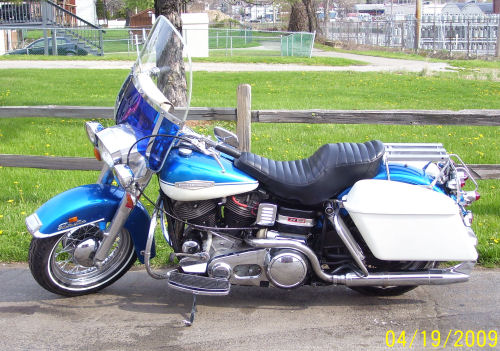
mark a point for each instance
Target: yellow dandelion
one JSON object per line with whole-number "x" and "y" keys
{"x": 1, "y": 216}
{"x": 10, "y": 201}
{"x": 23, "y": 213}
{"x": 16, "y": 182}
{"x": 1, "y": 232}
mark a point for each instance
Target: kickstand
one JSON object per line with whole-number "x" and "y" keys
{"x": 189, "y": 322}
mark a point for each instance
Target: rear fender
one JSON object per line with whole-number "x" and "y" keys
{"x": 87, "y": 204}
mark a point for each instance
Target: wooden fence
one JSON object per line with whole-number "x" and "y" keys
{"x": 244, "y": 116}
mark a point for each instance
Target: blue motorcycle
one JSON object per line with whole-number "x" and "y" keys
{"x": 375, "y": 217}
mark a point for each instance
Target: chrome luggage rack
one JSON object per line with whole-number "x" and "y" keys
{"x": 426, "y": 152}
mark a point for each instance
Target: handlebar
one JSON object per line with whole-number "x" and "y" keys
{"x": 229, "y": 150}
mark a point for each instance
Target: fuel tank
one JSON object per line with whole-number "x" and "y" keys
{"x": 188, "y": 175}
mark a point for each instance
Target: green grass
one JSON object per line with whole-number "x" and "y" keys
{"x": 270, "y": 90}
{"x": 49, "y": 137}
{"x": 313, "y": 61}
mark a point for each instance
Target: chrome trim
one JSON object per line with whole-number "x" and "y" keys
{"x": 248, "y": 257}
{"x": 39, "y": 235}
{"x": 286, "y": 269}
{"x": 33, "y": 223}
{"x": 345, "y": 235}
{"x": 117, "y": 224}
{"x": 92, "y": 128}
{"x": 295, "y": 245}
{"x": 456, "y": 274}
{"x": 106, "y": 175}
{"x": 266, "y": 214}
{"x": 149, "y": 243}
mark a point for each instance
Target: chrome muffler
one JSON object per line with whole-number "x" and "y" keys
{"x": 456, "y": 274}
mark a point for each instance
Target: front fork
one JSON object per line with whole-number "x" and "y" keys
{"x": 126, "y": 206}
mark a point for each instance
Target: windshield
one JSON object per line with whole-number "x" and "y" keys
{"x": 154, "y": 99}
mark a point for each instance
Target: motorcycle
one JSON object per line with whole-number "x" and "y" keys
{"x": 376, "y": 217}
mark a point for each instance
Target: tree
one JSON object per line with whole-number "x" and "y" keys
{"x": 172, "y": 82}
{"x": 303, "y": 16}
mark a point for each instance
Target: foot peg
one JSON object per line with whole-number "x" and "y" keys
{"x": 198, "y": 285}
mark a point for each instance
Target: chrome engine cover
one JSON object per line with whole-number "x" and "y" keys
{"x": 286, "y": 268}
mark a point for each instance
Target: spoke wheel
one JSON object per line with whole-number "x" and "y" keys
{"x": 63, "y": 264}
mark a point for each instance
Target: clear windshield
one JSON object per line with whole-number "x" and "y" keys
{"x": 154, "y": 99}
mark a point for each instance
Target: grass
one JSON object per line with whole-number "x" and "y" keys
{"x": 271, "y": 90}
{"x": 313, "y": 61}
{"x": 49, "y": 136}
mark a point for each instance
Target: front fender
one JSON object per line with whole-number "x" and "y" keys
{"x": 87, "y": 204}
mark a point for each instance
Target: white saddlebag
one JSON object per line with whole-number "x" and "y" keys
{"x": 402, "y": 222}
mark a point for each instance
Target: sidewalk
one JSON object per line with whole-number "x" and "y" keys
{"x": 375, "y": 64}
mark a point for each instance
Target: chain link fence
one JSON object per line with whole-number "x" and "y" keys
{"x": 221, "y": 41}
{"x": 469, "y": 35}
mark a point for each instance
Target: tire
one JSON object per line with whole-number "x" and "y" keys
{"x": 54, "y": 266}
{"x": 393, "y": 290}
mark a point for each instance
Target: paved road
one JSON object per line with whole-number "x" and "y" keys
{"x": 373, "y": 64}
{"x": 140, "y": 313}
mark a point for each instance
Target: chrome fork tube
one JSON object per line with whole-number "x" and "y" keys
{"x": 106, "y": 175}
{"x": 124, "y": 209}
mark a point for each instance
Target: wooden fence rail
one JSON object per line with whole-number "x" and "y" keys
{"x": 396, "y": 117}
{"x": 244, "y": 116}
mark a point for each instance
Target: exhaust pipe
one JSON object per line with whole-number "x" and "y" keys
{"x": 456, "y": 274}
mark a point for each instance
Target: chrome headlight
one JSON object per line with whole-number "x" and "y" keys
{"x": 114, "y": 143}
{"x": 92, "y": 128}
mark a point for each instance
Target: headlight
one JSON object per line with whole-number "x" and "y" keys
{"x": 114, "y": 144}
{"x": 92, "y": 128}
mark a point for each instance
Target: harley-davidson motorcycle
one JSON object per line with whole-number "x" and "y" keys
{"x": 376, "y": 217}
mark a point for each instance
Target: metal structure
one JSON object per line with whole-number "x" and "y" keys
{"x": 54, "y": 20}
{"x": 466, "y": 34}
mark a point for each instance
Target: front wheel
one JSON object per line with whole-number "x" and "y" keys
{"x": 63, "y": 264}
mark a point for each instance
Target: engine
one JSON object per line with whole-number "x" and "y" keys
{"x": 196, "y": 212}
{"x": 241, "y": 210}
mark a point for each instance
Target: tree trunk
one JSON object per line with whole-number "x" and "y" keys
{"x": 302, "y": 17}
{"x": 172, "y": 82}
{"x": 298, "y": 18}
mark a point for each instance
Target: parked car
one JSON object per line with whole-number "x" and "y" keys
{"x": 65, "y": 47}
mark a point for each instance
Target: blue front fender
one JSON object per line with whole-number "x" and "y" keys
{"x": 91, "y": 203}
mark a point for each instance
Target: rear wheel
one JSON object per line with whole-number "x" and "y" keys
{"x": 395, "y": 267}
{"x": 63, "y": 264}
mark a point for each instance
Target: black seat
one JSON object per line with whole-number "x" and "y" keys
{"x": 312, "y": 180}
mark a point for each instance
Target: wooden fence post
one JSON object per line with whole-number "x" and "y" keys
{"x": 244, "y": 116}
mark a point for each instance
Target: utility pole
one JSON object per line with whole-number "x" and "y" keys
{"x": 418, "y": 23}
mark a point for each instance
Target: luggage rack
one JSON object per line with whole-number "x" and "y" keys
{"x": 415, "y": 152}
{"x": 425, "y": 152}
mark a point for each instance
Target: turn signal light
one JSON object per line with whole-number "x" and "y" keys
{"x": 97, "y": 154}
